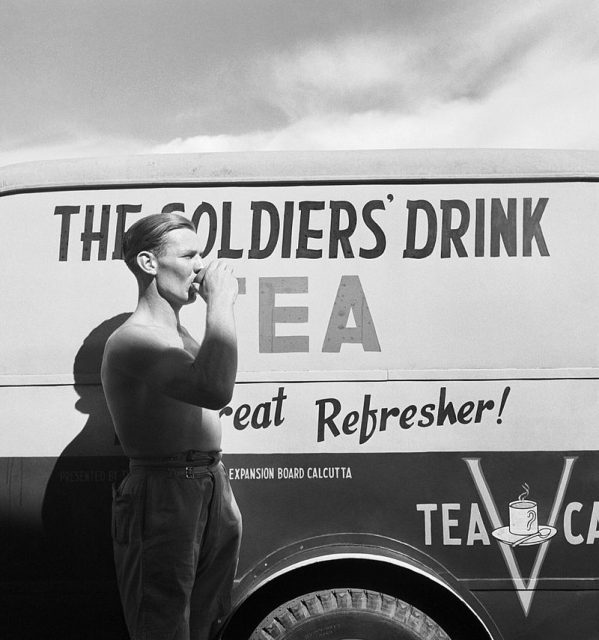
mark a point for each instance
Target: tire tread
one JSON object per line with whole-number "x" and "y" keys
{"x": 313, "y": 605}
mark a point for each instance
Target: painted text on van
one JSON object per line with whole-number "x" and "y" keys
{"x": 333, "y": 420}
{"x": 455, "y": 524}
{"x": 327, "y": 229}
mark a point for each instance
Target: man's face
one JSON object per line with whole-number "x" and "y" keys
{"x": 178, "y": 265}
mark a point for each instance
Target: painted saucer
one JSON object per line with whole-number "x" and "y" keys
{"x": 503, "y": 535}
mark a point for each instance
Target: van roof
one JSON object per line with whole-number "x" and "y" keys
{"x": 301, "y": 167}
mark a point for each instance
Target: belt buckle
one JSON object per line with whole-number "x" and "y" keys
{"x": 189, "y": 472}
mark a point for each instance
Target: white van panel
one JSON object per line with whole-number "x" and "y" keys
{"x": 459, "y": 314}
{"x": 433, "y": 313}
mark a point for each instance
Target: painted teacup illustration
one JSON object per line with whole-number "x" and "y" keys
{"x": 523, "y": 514}
{"x": 523, "y": 528}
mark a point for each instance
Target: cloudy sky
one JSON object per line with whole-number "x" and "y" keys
{"x": 97, "y": 77}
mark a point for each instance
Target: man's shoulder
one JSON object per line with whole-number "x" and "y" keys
{"x": 129, "y": 331}
{"x": 132, "y": 334}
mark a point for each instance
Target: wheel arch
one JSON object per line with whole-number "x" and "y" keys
{"x": 361, "y": 561}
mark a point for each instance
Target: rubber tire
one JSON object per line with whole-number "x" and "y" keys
{"x": 347, "y": 614}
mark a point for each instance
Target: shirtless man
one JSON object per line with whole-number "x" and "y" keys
{"x": 176, "y": 526}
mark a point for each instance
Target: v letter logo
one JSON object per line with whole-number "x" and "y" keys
{"x": 524, "y": 589}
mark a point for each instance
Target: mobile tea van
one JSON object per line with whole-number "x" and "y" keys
{"x": 413, "y": 438}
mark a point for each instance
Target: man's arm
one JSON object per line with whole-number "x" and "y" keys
{"x": 147, "y": 353}
{"x": 216, "y": 362}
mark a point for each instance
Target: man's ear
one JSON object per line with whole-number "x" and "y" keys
{"x": 146, "y": 261}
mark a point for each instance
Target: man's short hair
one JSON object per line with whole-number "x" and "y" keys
{"x": 149, "y": 234}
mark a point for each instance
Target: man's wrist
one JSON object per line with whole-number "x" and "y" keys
{"x": 220, "y": 303}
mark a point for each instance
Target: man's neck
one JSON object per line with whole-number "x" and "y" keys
{"x": 155, "y": 310}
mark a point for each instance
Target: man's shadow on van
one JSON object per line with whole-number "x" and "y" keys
{"x": 76, "y": 512}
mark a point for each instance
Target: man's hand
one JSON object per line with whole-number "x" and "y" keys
{"x": 217, "y": 282}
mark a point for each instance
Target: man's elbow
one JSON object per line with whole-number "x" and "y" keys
{"x": 218, "y": 398}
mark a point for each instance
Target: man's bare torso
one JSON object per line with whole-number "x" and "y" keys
{"x": 147, "y": 421}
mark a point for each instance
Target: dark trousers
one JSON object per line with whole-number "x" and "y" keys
{"x": 176, "y": 534}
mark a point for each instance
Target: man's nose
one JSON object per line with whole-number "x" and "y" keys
{"x": 199, "y": 264}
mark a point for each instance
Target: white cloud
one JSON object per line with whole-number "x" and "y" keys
{"x": 75, "y": 146}
{"x": 526, "y": 79}
{"x": 464, "y": 54}
{"x": 473, "y": 75}
{"x": 317, "y": 78}
{"x": 527, "y": 111}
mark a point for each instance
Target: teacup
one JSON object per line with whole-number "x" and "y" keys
{"x": 523, "y": 517}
